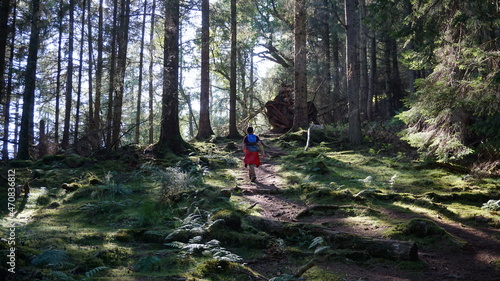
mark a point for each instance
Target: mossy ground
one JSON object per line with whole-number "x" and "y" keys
{"x": 113, "y": 222}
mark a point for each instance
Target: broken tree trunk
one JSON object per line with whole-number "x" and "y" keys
{"x": 279, "y": 111}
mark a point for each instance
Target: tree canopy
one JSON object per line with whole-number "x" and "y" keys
{"x": 106, "y": 74}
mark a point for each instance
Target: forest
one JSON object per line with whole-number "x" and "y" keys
{"x": 122, "y": 127}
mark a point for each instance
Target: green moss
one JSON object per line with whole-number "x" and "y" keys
{"x": 238, "y": 238}
{"x": 496, "y": 264}
{"x": 43, "y": 200}
{"x": 232, "y": 220}
{"x": 421, "y": 228}
{"x": 113, "y": 257}
{"x": 124, "y": 236}
{"x": 320, "y": 273}
{"x": 215, "y": 267}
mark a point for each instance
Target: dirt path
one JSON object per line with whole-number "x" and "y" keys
{"x": 265, "y": 192}
{"x": 445, "y": 263}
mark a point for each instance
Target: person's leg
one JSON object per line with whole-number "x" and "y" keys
{"x": 251, "y": 172}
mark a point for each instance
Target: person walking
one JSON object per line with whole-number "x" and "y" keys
{"x": 251, "y": 146}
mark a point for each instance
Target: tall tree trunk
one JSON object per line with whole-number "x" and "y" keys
{"x": 91, "y": 118}
{"x": 325, "y": 74}
{"x": 352, "y": 74}
{"x": 336, "y": 106}
{"x": 170, "y": 137}
{"x": 409, "y": 46}
{"x": 243, "y": 85}
{"x": 112, "y": 78}
{"x": 121, "y": 65}
{"x": 139, "y": 91}
{"x": 26, "y": 133}
{"x": 59, "y": 72}
{"x": 6, "y": 121}
{"x": 16, "y": 130}
{"x": 98, "y": 76}
{"x": 80, "y": 76}
{"x": 205, "y": 128}
{"x": 8, "y": 92}
{"x": 363, "y": 61}
{"x": 396, "y": 78}
{"x": 4, "y": 33}
{"x": 388, "y": 77}
{"x": 151, "y": 76}
{"x": 373, "y": 77}
{"x": 42, "y": 140}
{"x": 300, "y": 117}
{"x": 69, "y": 78}
{"x": 233, "y": 130}
{"x": 252, "y": 84}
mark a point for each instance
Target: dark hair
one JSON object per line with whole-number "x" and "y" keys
{"x": 250, "y": 130}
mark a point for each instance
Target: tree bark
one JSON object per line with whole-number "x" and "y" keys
{"x": 396, "y": 78}
{"x": 326, "y": 73}
{"x": 352, "y": 74}
{"x": 59, "y": 69}
{"x": 4, "y": 32}
{"x": 409, "y": 46}
{"x": 69, "y": 78}
{"x": 363, "y": 61}
{"x": 151, "y": 76}
{"x": 373, "y": 77}
{"x": 387, "y": 77}
{"x": 121, "y": 65}
{"x": 95, "y": 126}
{"x": 90, "y": 39}
{"x": 139, "y": 91}
{"x": 26, "y": 133}
{"x": 8, "y": 92}
{"x": 336, "y": 107}
{"x": 233, "y": 130}
{"x": 42, "y": 140}
{"x": 80, "y": 76}
{"x": 170, "y": 137}
{"x": 112, "y": 78}
{"x": 205, "y": 128}
{"x": 300, "y": 119}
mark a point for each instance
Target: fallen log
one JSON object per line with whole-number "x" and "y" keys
{"x": 375, "y": 247}
{"x": 326, "y": 208}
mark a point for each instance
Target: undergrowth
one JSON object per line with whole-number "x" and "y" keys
{"x": 183, "y": 220}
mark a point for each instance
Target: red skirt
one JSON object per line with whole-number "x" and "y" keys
{"x": 252, "y": 158}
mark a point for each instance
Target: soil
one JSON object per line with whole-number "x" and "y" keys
{"x": 442, "y": 262}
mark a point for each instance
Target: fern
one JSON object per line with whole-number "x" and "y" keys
{"x": 51, "y": 258}
{"x": 492, "y": 205}
{"x": 110, "y": 189}
{"x": 318, "y": 244}
{"x": 196, "y": 224}
{"x": 147, "y": 264}
{"x": 94, "y": 271}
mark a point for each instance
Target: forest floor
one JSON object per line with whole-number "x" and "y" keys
{"x": 475, "y": 261}
{"x": 129, "y": 216}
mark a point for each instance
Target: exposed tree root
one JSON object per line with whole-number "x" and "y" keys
{"x": 324, "y": 208}
{"x": 376, "y": 247}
